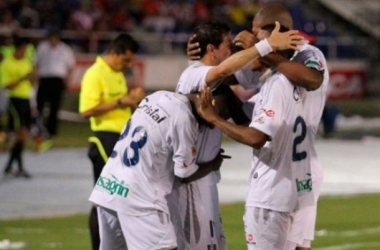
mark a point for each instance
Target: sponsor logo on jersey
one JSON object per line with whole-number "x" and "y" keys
{"x": 268, "y": 112}
{"x": 251, "y": 239}
{"x": 113, "y": 186}
{"x": 305, "y": 185}
{"x": 153, "y": 112}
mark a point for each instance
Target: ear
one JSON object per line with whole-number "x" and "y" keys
{"x": 210, "y": 48}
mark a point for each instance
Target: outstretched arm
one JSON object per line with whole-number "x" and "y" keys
{"x": 277, "y": 41}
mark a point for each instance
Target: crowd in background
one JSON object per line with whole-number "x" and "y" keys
{"x": 123, "y": 15}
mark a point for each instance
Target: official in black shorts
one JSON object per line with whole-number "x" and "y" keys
{"x": 17, "y": 73}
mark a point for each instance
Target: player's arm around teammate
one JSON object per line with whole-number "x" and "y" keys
{"x": 296, "y": 72}
{"x": 277, "y": 41}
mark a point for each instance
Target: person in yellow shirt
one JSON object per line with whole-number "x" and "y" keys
{"x": 105, "y": 99}
{"x": 17, "y": 74}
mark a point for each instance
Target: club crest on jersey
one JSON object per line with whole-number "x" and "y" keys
{"x": 268, "y": 112}
{"x": 153, "y": 112}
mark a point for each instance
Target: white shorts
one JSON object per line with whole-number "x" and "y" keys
{"x": 302, "y": 227}
{"x": 195, "y": 212}
{"x": 265, "y": 229}
{"x": 154, "y": 231}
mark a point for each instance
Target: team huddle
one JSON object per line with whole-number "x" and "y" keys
{"x": 158, "y": 189}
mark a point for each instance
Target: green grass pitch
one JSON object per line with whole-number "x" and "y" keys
{"x": 351, "y": 222}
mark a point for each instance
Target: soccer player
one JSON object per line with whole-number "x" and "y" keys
{"x": 277, "y": 122}
{"x": 197, "y": 211}
{"x": 158, "y": 143}
{"x": 105, "y": 99}
{"x": 17, "y": 75}
{"x": 306, "y": 69}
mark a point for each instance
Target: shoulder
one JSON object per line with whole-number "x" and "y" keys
{"x": 311, "y": 56}
{"x": 65, "y": 47}
{"x": 43, "y": 45}
{"x": 93, "y": 72}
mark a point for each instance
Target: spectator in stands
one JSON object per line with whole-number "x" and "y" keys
{"x": 55, "y": 61}
{"x": 105, "y": 99}
{"x": 28, "y": 17}
{"x": 8, "y": 25}
{"x": 82, "y": 19}
{"x": 17, "y": 75}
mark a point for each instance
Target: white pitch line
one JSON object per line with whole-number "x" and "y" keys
{"x": 350, "y": 246}
{"x": 17, "y": 230}
{"x": 349, "y": 233}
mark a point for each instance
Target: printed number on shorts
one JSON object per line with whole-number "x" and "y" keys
{"x": 136, "y": 143}
{"x": 298, "y": 156}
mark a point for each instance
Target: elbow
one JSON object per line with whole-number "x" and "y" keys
{"x": 314, "y": 85}
{"x": 259, "y": 142}
{"x": 258, "y": 145}
{"x": 315, "y": 82}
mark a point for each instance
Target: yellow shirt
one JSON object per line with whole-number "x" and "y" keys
{"x": 100, "y": 84}
{"x": 12, "y": 69}
{"x": 8, "y": 51}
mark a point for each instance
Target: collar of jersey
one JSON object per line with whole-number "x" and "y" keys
{"x": 103, "y": 63}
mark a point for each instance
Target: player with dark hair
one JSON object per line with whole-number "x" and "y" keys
{"x": 17, "y": 75}
{"x": 105, "y": 99}
{"x": 198, "y": 217}
{"x": 157, "y": 144}
{"x": 306, "y": 69}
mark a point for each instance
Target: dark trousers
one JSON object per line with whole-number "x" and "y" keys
{"x": 108, "y": 141}
{"x": 50, "y": 91}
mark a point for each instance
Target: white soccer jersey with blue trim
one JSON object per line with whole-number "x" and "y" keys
{"x": 283, "y": 161}
{"x": 192, "y": 80}
{"x": 156, "y": 144}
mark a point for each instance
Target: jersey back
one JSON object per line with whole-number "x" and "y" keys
{"x": 156, "y": 144}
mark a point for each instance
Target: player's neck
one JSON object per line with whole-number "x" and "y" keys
{"x": 209, "y": 60}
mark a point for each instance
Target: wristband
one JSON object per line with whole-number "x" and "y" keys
{"x": 263, "y": 47}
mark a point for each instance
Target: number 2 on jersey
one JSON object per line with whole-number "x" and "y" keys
{"x": 298, "y": 156}
{"x": 134, "y": 145}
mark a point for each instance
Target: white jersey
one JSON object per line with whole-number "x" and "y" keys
{"x": 282, "y": 162}
{"x": 209, "y": 140}
{"x": 247, "y": 78}
{"x": 314, "y": 101}
{"x": 157, "y": 143}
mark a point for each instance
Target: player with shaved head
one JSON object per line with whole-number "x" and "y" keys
{"x": 308, "y": 69}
